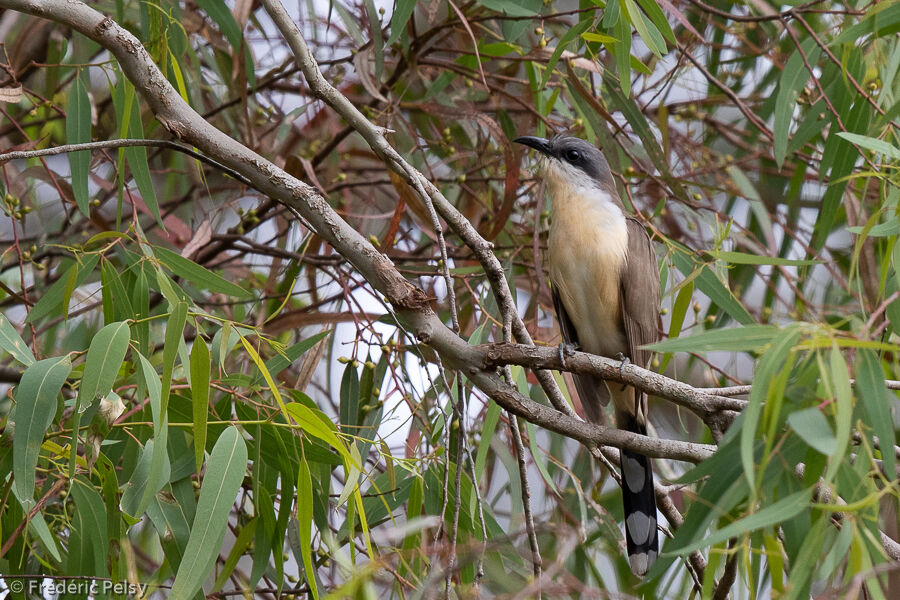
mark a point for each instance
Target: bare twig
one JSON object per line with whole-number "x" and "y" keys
{"x": 126, "y": 143}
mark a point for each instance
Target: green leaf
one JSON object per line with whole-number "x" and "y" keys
{"x": 402, "y": 13}
{"x": 128, "y": 113}
{"x": 377, "y": 39}
{"x": 645, "y": 28}
{"x": 679, "y": 312}
{"x": 877, "y": 402}
{"x": 224, "y": 473}
{"x": 563, "y": 43}
{"x": 844, "y": 159}
{"x": 636, "y": 118}
{"x": 886, "y": 229}
{"x": 88, "y": 536}
{"x": 141, "y": 303}
{"x": 811, "y": 425}
{"x": 351, "y": 481}
{"x": 139, "y": 492}
{"x": 174, "y": 331}
{"x": 773, "y": 514}
{"x": 305, "y": 523}
{"x": 869, "y": 143}
{"x": 709, "y": 284}
{"x": 171, "y": 519}
{"x": 78, "y": 131}
{"x": 116, "y": 303}
{"x": 810, "y": 553}
{"x": 38, "y": 527}
{"x": 659, "y": 19}
{"x": 283, "y": 360}
{"x": 219, "y": 12}
{"x": 895, "y": 261}
{"x": 200, "y": 369}
{"x": 882, "y": 19}
{"x": 487, "y": 434}
{"x": 234, "y": 555}
{"x": 741, "y": 258}
{"x": 793, "y": 78}
{"x": 349, "y": 393}
{"x": 104, "y": 357}
{"x": 158, "y": 473}
{"x": 772, "y": 362}
{"x": 749, "y": 339}
{"x": 36, "y": 403}
{"x": 12, "y": 342}
{"x": 508, "y": 7}
{"x": 101, "y": 367}
{"x": 54, "y": 295}
{"x": 317, "y": 426}
{"x": 200, "y": 276}
{"x": 622, "y": 50}
{"x": 592, "y": 36}
{"x": 843, "y": 410}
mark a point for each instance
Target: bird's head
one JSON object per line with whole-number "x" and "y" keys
{"x": 571, "y": 161}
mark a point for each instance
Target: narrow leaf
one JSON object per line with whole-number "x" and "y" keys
{"x": 748, "y": 339}
{"x": 198, "y": 275}
{"x": 402, "y": 13}
{"x": 104, "y": 357}
{"x": 742, "y": 258}
{"x": 78, "y": 131}
{"x": 89, "y": 530}
{"x": 869, "y": 143}
{"x": 877, "y": 402}
{"x": 843, "y": 410}
{"x": 12, "y": 342}
{"x": 772, "y": 361}
{"x": 174, "y": 331}
{"x": 221, "y": 483}
{"x": 773, "y": 514}
{"x": 36, "y": 402}
{"x": 200, "y": 369}
{"x": 793, "y": 78}
{"x": 305, "y": 522}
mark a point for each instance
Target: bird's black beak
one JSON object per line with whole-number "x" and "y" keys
{"x": 538, "y": 143}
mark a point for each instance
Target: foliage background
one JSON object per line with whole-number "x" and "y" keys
{"x": 178, "y": 319}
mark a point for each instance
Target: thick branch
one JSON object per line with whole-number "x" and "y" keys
{"x": 536, "y": 357}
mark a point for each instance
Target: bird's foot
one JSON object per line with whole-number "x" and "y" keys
{"x": 625, "y": 360}
{"x": 566, "y": 350}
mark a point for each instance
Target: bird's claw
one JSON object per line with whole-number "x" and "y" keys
{"x": 566, "y": 349}
{"x": 625, "y": 360}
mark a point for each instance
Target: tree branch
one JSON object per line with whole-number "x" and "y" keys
{"x": 700, "y": 402}
{"x": 126, "y": 143}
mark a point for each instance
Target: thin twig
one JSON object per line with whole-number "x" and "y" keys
{"x": 125, "y": 143}
{"x": 536, "y": 559}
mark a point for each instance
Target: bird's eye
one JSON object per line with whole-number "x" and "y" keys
{"x": 573, "y": 155}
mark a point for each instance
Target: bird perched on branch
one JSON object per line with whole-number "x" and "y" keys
{"x": 605, "y": 283}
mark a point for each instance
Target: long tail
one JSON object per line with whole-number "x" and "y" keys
{"x": 640, "y": 505}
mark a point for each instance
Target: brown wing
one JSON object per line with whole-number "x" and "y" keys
{"x": 591, "y": 390}
{"x": 640, "y": 294}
